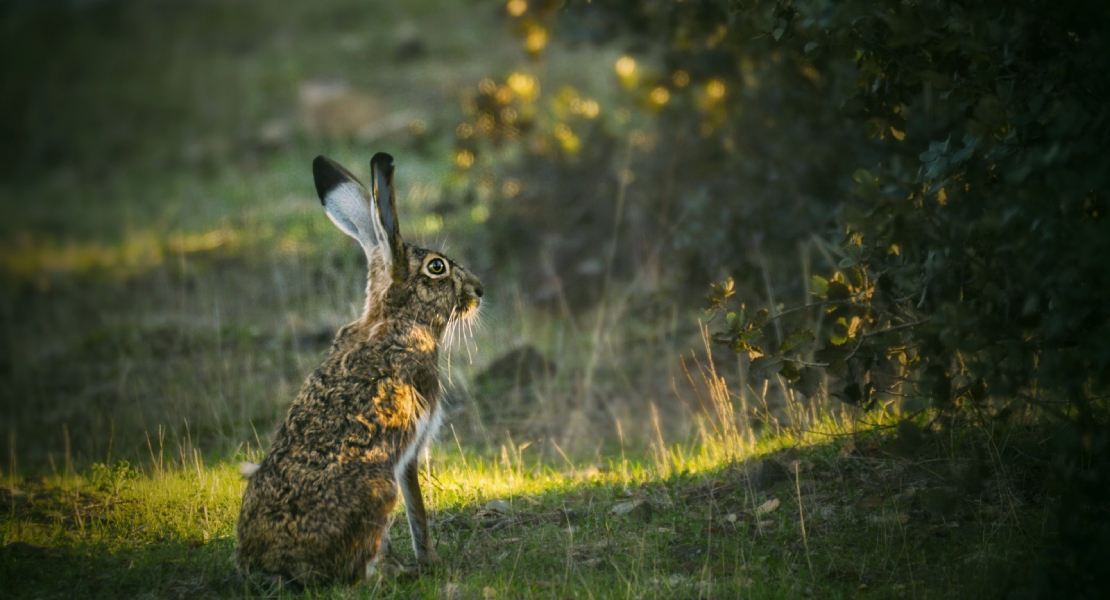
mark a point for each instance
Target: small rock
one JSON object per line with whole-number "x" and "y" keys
{"x": 639, "y": 508}
{"x": 767, "y": 507}
{"x": 497, "y": 505}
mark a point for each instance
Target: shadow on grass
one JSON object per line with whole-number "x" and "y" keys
{"x": 172, "y": 569}
{"x": 870, "y": 521}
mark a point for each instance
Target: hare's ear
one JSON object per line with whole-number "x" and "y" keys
{"x": 385, "y": 200}
{"x": 350, "y": 207}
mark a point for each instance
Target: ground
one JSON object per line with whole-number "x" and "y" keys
{"x": 851, "y": 517}
{"x": 168, "y": 279}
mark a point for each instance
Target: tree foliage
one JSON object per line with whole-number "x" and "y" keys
{"x": 975, "y": 232}
{"x": 958, "y": 150}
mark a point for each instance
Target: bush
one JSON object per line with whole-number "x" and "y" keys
{"x": 960, "y": 146}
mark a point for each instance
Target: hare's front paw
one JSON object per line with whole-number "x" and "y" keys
{"x": 428, "y": 558}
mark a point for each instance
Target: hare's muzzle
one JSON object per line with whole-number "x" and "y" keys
{"x": 470, "y": 297}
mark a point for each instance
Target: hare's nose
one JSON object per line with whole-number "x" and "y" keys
{"x": 478, "y": 290}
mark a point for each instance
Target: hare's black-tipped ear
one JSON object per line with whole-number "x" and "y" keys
{"x": 381, "y": 172}
{"x": 350, "y": 206}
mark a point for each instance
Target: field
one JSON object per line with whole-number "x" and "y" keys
{"x": 832, "y": 520}
{"x": 168, "y": 279}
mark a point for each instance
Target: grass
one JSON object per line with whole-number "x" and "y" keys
{"x": 846, "y": 517}
{"x": 165, "y": 268}
{"x": 167, "y": 280}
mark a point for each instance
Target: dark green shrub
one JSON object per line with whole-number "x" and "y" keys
{"x": 962, "y": 148}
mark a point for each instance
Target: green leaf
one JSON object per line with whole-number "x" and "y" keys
{"x": 760, "y": 318}
{"x": 936, "y": 150}
{"x": 810, "y": 47}
{"x": 777, "y": 33}
{"x": 752, "y": 336}
{"x": 868, "y": 185}
{"x": 721, "y": 293}
{"x": 808, "y": 382}
{"x": 799, "y": 341}
{"x": 790, "y": 371}
{"x": 765, "y": 365}
{"x": 937, "y": 167}
{"x": 819, "y": 285}
{"x": 838, "y": 291}
{"x": 962, "y": 154}
{"x": 854, "y": 274}
{"x": 839, "y": 333}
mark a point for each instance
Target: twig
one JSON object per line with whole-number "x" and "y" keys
{"x": 778, "y": 315}
{"x": 895, "y": 328}
{"x": 805, "y": 363}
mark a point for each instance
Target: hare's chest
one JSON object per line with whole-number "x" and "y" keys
{"x": 426, "y": 427}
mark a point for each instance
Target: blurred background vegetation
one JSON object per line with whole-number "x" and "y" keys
{"x": 902, "y": 208}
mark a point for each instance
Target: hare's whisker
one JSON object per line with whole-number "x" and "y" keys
{"x": 470, "y": 337}
{"x": 446, "y": 339}
{"x": 469, "y": 356}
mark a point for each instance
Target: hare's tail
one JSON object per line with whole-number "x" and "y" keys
{"x": 246, "y": 469}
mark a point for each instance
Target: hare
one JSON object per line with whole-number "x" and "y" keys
{"x": 317, "y": 508}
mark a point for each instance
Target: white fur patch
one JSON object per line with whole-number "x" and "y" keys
{"x": 246, "y": 469}
{"x": 352, "y": 210}
{"x": 426, "y": 427}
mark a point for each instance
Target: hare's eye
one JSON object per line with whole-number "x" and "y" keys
{"x": 436, "y": 266}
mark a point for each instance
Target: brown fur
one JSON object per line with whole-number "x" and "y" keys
{"x": 320, "y": 501}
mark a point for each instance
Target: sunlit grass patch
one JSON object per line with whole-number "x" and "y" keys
{"x": 134, "y": 255}
{"x": 831, "y": 519}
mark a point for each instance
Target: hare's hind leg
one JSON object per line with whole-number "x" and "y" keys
{"x": 384, "y": 562}
{"x": 379, "y": 558}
